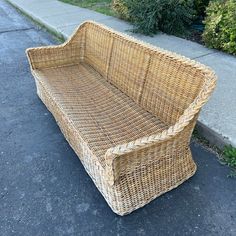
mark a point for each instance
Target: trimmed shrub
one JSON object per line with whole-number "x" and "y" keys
{"x": 220, "y": 26}
{"x": 121, "y": 9}
{"x": 176, "y": 16}
{"x": 169, "y": 16}
{"x": 200, "y": 7}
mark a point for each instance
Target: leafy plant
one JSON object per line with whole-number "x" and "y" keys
{"x": 220, "y": 26}
{"x": 229, "y": 158}
{"x": 145, "y": 15}
{"x": 169, "y": 16}
{"x": 121, "y": 9}
{"x": 176, "y": 16}
{"x": 200, "y": 7}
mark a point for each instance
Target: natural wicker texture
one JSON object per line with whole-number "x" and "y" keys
{"x": 127, "y": 109}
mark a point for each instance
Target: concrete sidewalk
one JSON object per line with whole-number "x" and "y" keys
{"x": 217, "y": 121}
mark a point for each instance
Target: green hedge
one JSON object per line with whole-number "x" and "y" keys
{"x": 121, "y": 9}
{"x": 200, "y": 7}
{"x": 220, "y": 26}
{"x": 173, "y": 16}
{"x": 149, "y": 16}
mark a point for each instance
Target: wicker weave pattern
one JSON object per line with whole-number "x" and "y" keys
{"x": 126, "y": 56}
{"x": 127, "y": 109}
{"x": 100, "y": 126}
{"x": 170, "y": 87}
{"x": 97, "y": 52}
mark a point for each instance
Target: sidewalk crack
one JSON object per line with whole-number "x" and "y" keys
{"x": 15, "y": 30}
{"x": 204, "y": 55}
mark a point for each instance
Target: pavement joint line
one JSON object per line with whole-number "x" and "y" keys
{"x": 210, "y": 53}
{"x": 15, "y": 30}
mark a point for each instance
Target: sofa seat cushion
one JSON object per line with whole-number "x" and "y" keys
{"x": 103, "y": 116}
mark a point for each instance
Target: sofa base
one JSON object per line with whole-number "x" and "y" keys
{"x": 122, "y": 198}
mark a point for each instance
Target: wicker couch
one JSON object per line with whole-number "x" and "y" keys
{"x": 127, "y": 109}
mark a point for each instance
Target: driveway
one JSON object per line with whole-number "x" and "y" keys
{"x": 44, "y": 189}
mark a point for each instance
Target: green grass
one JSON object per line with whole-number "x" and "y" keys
{"x": 229, "y": 158}
{"x": 102, "y": 6}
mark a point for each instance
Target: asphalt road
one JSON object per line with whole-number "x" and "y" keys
{"x": 44, "y": 189}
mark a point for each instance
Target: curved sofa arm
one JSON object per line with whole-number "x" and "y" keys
{"x": 44, "y": 57}
{"x": 119, "y": 151}
{"x": 69, "y": 52}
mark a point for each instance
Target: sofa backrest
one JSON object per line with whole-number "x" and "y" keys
{"x": 170, "y": 86}
{"x": 161, "y": 82}
{"x": 98, "y": 43}
{"x": 128, "y": 67}
{"x": 122, "y": 62}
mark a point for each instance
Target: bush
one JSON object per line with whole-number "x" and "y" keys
{"x": 121, "y": 9}
{"x": 176, "y": 16}
{"x": 149, "y": 16}
{"x": 200, "y": 7}
{"x": 220, "y": 26}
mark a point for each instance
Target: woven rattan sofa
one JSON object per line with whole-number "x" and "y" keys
{"x": 127, "y": 109}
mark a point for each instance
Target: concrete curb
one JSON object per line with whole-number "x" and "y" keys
{"x": 38, "y": 21}
{"x": 204, "y": 131}
{"x": 212, "y": 137}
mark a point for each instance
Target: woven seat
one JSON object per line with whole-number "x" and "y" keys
{"x": 127, "y": 109}
{"x": 99, "y": 111}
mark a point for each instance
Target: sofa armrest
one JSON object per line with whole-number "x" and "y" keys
{"x": 127, "y": 157}
{"x": 70, "y": 52}
{"x": 50, "y": 56}
{"x": 45, "y": 57}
